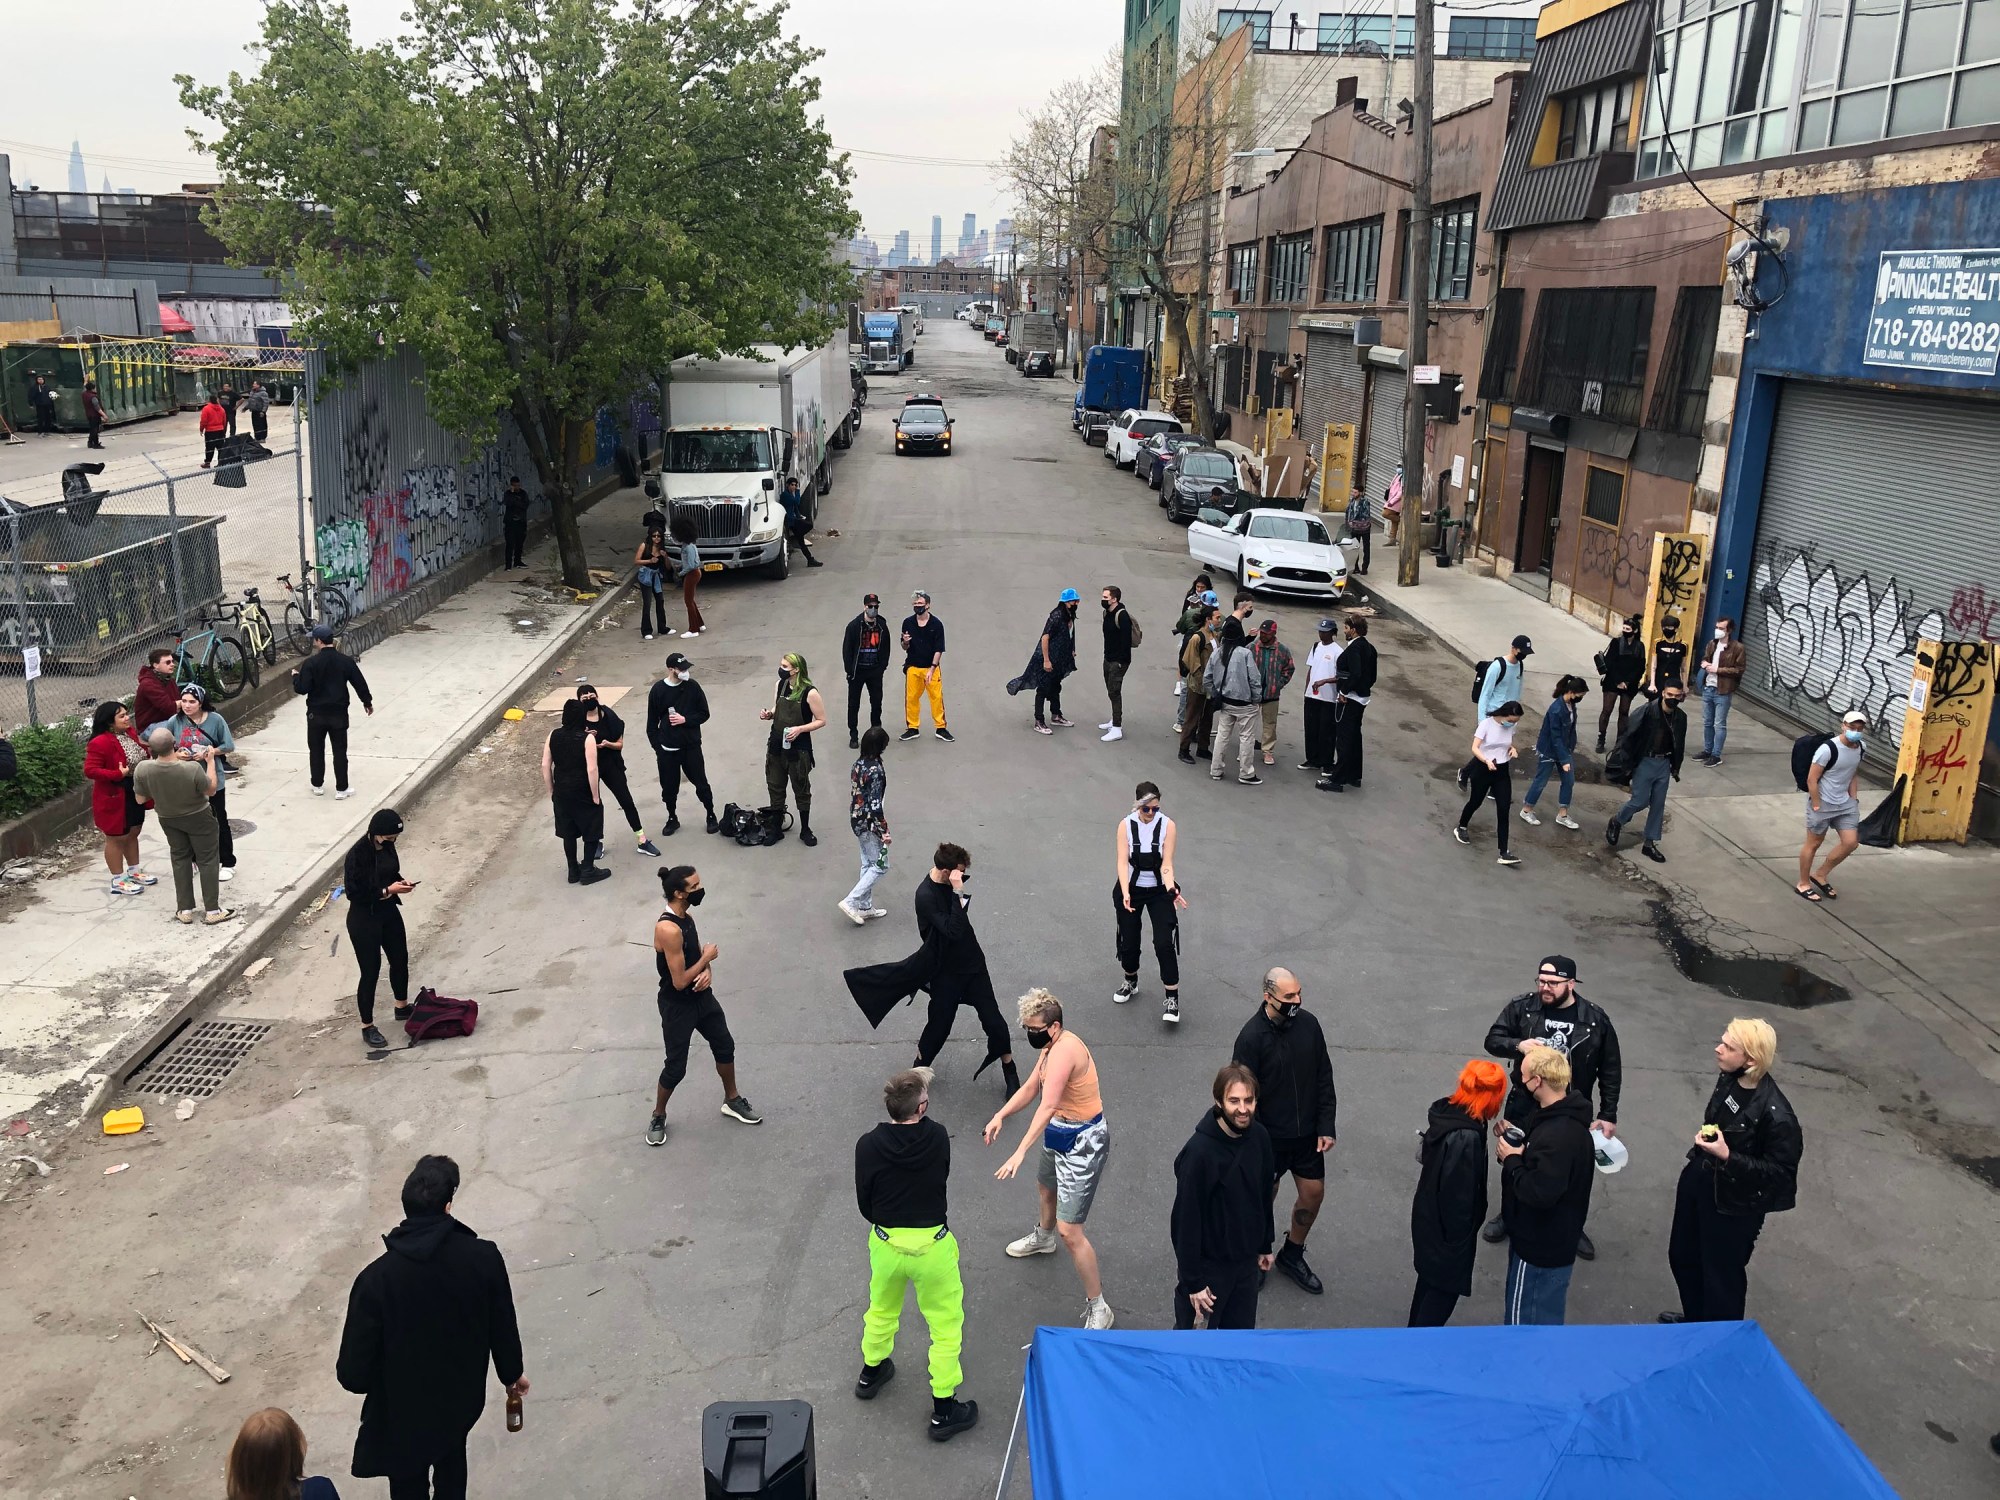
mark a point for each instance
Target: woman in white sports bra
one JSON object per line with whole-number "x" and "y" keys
{"x": 1144, "y": 843}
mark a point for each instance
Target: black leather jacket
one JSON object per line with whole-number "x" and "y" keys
{"x": 1595, "y": 1065}
{"x": 1765, "y": 1144}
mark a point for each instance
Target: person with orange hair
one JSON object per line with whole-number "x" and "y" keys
{"x": 268, "y": 1461}
{"x": 1451, "y": 1192}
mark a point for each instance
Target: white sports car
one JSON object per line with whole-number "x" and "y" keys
{"x": 1275, "y": 551}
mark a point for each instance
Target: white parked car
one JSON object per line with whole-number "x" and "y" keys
{"x": 1134, "y": 425}
{"x": 1272, "y": 551}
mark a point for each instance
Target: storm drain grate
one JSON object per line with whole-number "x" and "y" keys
{"x": 201, "y": 1062}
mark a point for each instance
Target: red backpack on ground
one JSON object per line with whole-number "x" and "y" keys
{"x": 436, "y": 1015}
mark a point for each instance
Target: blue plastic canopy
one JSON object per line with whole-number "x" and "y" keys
{"x": 1651, "y": 1412}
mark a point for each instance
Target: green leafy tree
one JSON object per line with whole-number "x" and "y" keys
{"x": 550, "y": 200}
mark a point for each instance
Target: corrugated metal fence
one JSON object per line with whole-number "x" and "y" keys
{"x": 82, "y": 305}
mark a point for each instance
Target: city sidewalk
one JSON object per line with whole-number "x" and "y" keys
{"x": 31, "y": 471}
{"x": 87, "y": 978}
{"x": 1917, "y": 925}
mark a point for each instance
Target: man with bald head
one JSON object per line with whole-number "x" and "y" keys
{"x": 1284, "y": 1046}
{"x": 179, "y": 783}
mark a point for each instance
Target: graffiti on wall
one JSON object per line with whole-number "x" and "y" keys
{"x": 1608, "y": 565}
{"x": 343, "y": 553}
{"x": 1972, "y": 614}
{"x": 1834, "y": 641}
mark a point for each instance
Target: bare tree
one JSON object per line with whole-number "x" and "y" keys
{"x": 1062, "y": 204}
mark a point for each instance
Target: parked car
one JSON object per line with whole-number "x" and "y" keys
{"x": 995, "y": 326}
{"x": 1038, "y": 362}
{"x": 1272, "y": 551}
{"x": 1134, "y": 425}
{"x": 1151, "y": 454}
{"x": 923, "y": 427}
{"x": 1190, "y": 477}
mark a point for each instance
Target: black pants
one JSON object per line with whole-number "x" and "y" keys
{"x": 225, "y": 841}
{"x": 45, "y": 421}
{"x": 611, "y": 778}
{"x": 681, "y": 1016}
{"x": 1484, "y": 779}
{"x": 1319, "y": 734}
{"x": 260, "y": 425}
{"x": 441, "y": 1479}
{"x": 802, "y": 544}
{"x": 948, "y": 993}
{"x": 1623, "y": 698}
{"x": 319, "y": 733}
{"x": 1431, "y": 1306}
{"x": 211, "y": 445}
{"x": 652, "y": 609}
{"x": 872, "y": 681}
{"x": 1347, "y": 716}
{"x": 1114, "y": 689}
{"x": 1048, "y": 691}
{"x": 375, "y": 931}
{"x": 1235, "y": 1302}
{"x": 1159, "y": 901}
{"x": 516, "y": 535}
{"x": 675, "y": 764}
{"x": 96, "y": 427}
{"x": 1709, "y": 1250}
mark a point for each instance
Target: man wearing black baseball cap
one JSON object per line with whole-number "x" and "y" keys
{"x": 323, "y": 679}
{"x": 865, "y": 654}
{"x": 1554, "y": 1015}
{"x": 676, "y": 708}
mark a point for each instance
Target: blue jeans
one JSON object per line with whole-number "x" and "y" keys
{"x": 1714, "y": 720}
{"x": 1649, "y": 790}
{"x": 1535, "y": 1294}
{"x": 874, "y": 865}
{"x": 1544, "y": 769}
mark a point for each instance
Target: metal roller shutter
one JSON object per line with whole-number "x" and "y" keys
{"x": 1386, "y": 389}
{"x": 1855, "y": 555}
{"x": 1316, "y": 394}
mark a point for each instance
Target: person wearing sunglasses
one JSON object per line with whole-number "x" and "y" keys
{"x": 1143, "y": 855}
{"x": 197, "y": 727}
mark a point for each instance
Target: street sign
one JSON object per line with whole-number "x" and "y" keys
{"x": 1936, "y": 310}
{"x": 1425, "y": 375}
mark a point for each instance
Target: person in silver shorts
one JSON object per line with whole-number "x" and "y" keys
{"x": 1832, "y": 807}
{"x": 1070, "y": 1140}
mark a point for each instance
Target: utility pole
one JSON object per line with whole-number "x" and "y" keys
{"x": 1417, "y": 280}
{"x": 1198, "y": 336}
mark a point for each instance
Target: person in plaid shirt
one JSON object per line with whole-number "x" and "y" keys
{"x": 1274, "y": 665}
{"x": 869, "y": 783}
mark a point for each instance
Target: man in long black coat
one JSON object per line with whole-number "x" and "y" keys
{"x": 423, "y": 1319}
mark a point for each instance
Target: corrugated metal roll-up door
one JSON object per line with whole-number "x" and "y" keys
{"x": 1350, "y": 384}
{"x": 1316, "y": 395}
{"x": 1385, "y": 431}
{"x": 1863, "y": 545}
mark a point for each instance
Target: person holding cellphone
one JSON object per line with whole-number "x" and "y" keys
{"x": 375, "y": 886}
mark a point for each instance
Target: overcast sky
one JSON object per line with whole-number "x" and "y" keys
{"x": 896, "y": 79}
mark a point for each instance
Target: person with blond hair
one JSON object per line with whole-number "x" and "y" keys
{"x": 1451, "y": 1192}
{"x": 1744, "y": 1164}
{"x": 268, "y": 1461}
{"x": 1069, "y": 1138}
{"x": 1545, "y": 1175}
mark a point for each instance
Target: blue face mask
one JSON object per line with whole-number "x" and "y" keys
{"x": 1852, "y": 736}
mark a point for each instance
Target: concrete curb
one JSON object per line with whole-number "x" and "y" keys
{"x": 124, "y": 1060}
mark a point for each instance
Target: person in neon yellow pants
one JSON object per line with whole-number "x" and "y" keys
{"x": 900, "y": 1174}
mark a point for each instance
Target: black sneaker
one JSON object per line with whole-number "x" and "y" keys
{"x": 575, "y": 874}
{"x": 868, "y": 1384}
{"x": 909, "y": 734}
{"x": 374, "y": 1038}
{"x": 1612, "y": 828}
{"x": 1584, "y": 1249}
{"x": 1509, "y": 859}
{"x": 1125, "y": 991}
{"x": 1292, "y": 1261}
{"x": 591, "y": 874}
{"x": 853, "y": 740}
{"x": 1327, "y": 784}
{"x": 808, "y": 837}
{"x": 648, "y": 847}
{"x": 671, "y": 827}
{"x": 1600, "y": 742}
{"x": 954, "y": 1419}
{"x": 1494, "y": 1231}
{"x": 1187, "y": 759}
{"x": 656, "y": 1131}
{"x": 1652, "y": 852}
{"x": 949, "y": 738}
{"x": 1253, "y": 779}
{"x": 739, "y": 1109}
{"x": 1673, "y": 1317}
{"x": 1458, "y": 832}
{"x": 712, "y": 823}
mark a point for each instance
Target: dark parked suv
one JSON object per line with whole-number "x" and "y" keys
{"x": 1190, "y": 474}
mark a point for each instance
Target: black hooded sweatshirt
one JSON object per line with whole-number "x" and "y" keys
{"x": 900, "y": 1172}
{"x": 1545, "y": 1191}
{"x": 423, "y": 1319}
{"x": 1222, "y": 1203}
{"x": 1451, "y": 1199}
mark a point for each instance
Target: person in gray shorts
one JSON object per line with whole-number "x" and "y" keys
{"x": 1832, "y": 807}
{"x": 1071, "y": 1143}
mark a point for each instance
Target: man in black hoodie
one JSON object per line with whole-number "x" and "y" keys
{"x": 423, "y": 1319}
{"x": 323, "y": 680}
{"x": 1553, "y": 1014}
{"x": 1544, "y": 1190}
{"x": 864, "y": 653}
{"x": 1285, "y": 1048}
{"x": 1221, "y": 1223}
{"x": 900, "y": 1170}
{"x": 676, "y": 709}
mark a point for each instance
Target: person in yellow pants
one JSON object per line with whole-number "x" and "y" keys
{"x": 900, "y": 1174}
{"x": 923, "y": 668}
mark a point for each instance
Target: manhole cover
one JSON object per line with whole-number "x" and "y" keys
{"x": 240, "y": 826}
{"x": 201, "y": 1062}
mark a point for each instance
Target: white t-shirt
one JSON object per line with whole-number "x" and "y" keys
{"x": 1151, "y": 839}
{"x": 1495, "y": 739}
{"x": 1320, "y": 663}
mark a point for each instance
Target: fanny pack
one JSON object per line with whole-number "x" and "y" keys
{"x": 1060, "y": 1136}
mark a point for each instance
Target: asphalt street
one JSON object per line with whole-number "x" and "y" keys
{"x": 731, "y": 1263}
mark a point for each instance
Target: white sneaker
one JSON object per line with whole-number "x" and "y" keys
{"x": 1037, "y": 1241}
{"x": 1112, "y": 734}
{"x": 1105, "y": 725}
{"x": 344, "y": 794}
{"x": 1564, "y": 820}
{"x": 875, "y": 911}
{"x": 1528, "y": 817}
{"x": 1097, "y": 1313}
{"x": 688, "y": 635}
{"x": 854, "y": 915}
{"x": 319, "y": 791}
{"x": 225, "y": 873}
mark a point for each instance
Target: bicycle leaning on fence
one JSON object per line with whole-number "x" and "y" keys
{"x": 217, "y": 661}
{"x": 259, "y": 636}
{"x": 312, "y": 601}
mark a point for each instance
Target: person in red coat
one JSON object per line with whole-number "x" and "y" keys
{"x": 155, "y": 702}
{"x": 116, "y": 810}
{"x": 214, "y": 421}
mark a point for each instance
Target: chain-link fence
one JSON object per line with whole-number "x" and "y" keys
{"x": 93, "y": 580}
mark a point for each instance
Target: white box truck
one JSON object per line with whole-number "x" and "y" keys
{"x": 735, "y": 429}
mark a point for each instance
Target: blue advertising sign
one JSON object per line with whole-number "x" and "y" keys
{"x": 1936, "y": 310}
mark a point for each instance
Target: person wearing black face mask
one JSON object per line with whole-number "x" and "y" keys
{"x": 1670, "y": 658}
{"x": 794, "y": 714}
{"x": 688, "y": 1003}
{"x": 1285, "y": 1047}
{"x": 609, "y": 732}
{"x": 864, "y": 653}
{"x": 1621, "y": 667}
{"x": 1054, "y": 659}
{"x": 569, "y": 773}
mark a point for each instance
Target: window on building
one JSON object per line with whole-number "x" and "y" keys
{"x": 1259, "y": 22}
{"x": 1291, "y": 267}
{"x": 1453, "y": 231}
{"x": 1503, "y": 347}
{"x": 1604, "y": 497}
{"x": 1353, "y": 261}
{"x": 1492, "y": 38}
{"x": 1594, "y": 121}
{"x": 1243, "y": 273}
{"x": 1366, "y": 36}
{"x": 1587, "y": 352}
{"x": 1680, "y": 395}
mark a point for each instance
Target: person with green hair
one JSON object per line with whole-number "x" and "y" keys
{"x": 794, "y": 714}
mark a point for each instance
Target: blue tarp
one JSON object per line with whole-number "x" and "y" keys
{"x": 1649, "y": 1412}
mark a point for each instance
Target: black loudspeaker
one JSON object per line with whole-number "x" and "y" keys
{"x": 760, "y": 1449}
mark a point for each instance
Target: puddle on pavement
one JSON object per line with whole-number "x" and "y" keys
{"x": 1751, "y": 977}
{"x": 1985, "y": 1168}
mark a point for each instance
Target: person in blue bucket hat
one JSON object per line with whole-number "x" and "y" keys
{"x": 1054, "y": 658}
